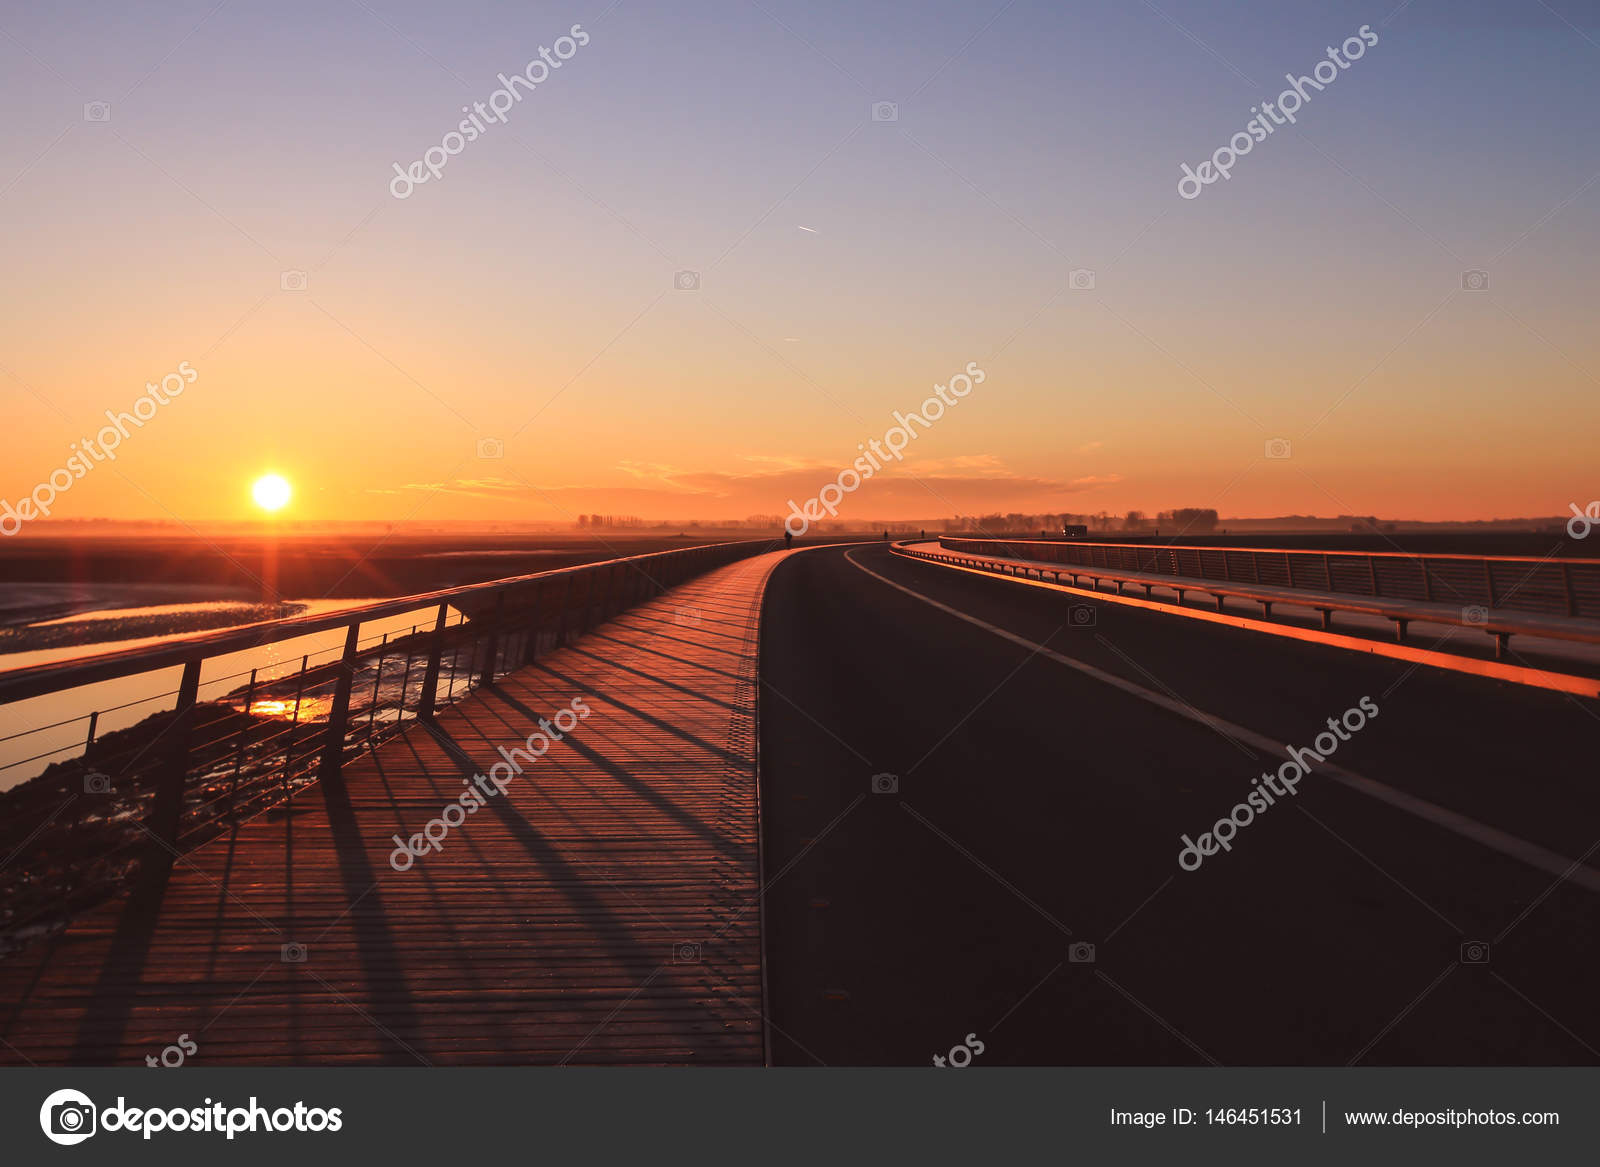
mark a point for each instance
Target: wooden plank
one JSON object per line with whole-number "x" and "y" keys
{"x": 602, "y": 910}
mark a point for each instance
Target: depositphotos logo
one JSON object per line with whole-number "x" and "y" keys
{"x": 69, "y": 1116}
{"x": 1283, "y": 784}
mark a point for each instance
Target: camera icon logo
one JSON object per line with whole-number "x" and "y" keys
{"x": 1475, "y": 280}
{"x": 491, "y": 448}
{"x": 885, "y": 111}
{"x": 1278, "y": 448}
{"x": 686, "y": 952}
{"x": 292, "y": 281}
{"x": 1475, "y": 614}
{"x": 95, "y": 782}
{"x": 97, "y": 111}
{"x": 67, "y": 1117}
{"x": 1081, "y": 279}
{"x": 687, "y": 281}
{"x": 1475, "y": 952}
{"x": 885, "y": 784}
{"x": 1081, "y": 953}
{"x": 293, "y": 954}
{"x": 687, "y": 617}
{"x": 1082, "y": 615}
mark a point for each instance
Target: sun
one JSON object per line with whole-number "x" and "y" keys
{"x": 271, "y": 492}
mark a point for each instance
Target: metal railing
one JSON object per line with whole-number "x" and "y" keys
{"x": 1548, "y": 587}
{"x": 197, "y": 753}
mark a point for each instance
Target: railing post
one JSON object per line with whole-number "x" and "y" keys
{"x": 561, "y": 612}
{"x": 1572, "y": 596}
{"x": 530, "y": 648}
{"x": 492, "y": 649}
{"x": 377, "y": 686}
{"x": 294, "y": 724}
{"x": 430, "y": 677}
{"x": 339, "y": 713}
{"x": 455, "y": 657}
{"x": 166, "y": 809}
{"x": 591, "y": 580}
{"x": 405, "y": 677}
{"x": 244, "y": 738}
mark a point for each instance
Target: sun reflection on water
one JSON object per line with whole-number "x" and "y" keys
{"x": 310, "y": 708}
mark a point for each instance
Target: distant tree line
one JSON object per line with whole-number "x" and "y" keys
{"x": 1184, "y": 520}
{"x": 1178, "y": 521}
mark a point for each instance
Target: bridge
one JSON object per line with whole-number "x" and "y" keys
{"x": 837, "y": 805}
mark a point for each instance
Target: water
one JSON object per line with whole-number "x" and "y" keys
{"x": 136, "y": 613}
{"x": 53, "y": 727}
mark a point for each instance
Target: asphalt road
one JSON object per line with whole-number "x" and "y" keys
{"x": 1038, "y": 810}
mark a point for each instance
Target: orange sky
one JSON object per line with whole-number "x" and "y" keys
{"x": 529, "y": 295}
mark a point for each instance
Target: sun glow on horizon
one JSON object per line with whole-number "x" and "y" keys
{"x": 271, "y": 492}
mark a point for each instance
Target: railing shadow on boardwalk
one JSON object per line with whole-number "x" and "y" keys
{"x": 596, "y": 911}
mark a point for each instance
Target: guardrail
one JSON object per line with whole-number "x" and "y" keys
{"x": 213, "y": 750}
{"x": 1500, "y": 624}
{"x": 1550, "y": 587}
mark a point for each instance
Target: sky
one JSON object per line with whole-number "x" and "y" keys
{"x": 703, "y": 260}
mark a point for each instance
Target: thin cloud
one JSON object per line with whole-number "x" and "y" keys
{"x": 764, "y": 484}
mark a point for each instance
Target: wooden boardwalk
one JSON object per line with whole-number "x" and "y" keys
{"x": 603, "y": 909}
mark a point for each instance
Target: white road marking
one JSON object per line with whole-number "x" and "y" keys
{"x": 1468, "y": 828}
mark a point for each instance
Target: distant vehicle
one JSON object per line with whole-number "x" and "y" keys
{"x": 1074, "y": 531}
